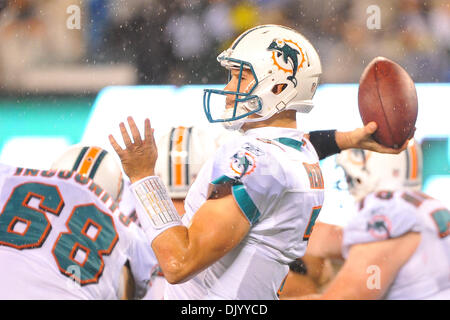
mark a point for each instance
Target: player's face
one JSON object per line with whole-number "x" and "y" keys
{"x": 246, "y": 82}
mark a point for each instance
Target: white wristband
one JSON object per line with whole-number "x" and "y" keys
{"x": 154, "y": 208}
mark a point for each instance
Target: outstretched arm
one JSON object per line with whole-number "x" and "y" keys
{"x": 361, "y": 138}
{"x": 330, "y": 142}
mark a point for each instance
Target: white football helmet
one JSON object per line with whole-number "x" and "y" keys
{"x": 95, "y": 163}
{"x": 181, "y": 154}
{"x": 368, "y": 171}
{"x": 275, "y": 55}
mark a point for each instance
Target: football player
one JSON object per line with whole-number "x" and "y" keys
{"x": 251, "y": 210}
{"x": 94, "y": 163}
{"x": 102, "y": 168}
{"x": 61, "y": 235}
{"x": 398, "y": 245}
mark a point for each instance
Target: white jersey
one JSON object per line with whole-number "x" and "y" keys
{"x": 278, "y": 185}
{"x": 156, "y": 283}
{"x": 62, "y": 237}
{"x": 127, "y": 203}
{"x": 386, "y": 215}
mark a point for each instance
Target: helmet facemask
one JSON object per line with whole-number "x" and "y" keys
{"x": 368, "y": 171}
{"x": 360, "y": 181}
{"x": 245, "y": 103}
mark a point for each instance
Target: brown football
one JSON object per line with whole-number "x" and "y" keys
{"x": 387, "y": 95}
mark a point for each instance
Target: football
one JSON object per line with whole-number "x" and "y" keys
{"x": 387, "y": 95}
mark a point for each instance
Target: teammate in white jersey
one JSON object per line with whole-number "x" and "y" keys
{"x": 251, "y": 210}
{"x": 62, "y": 237}
{"x": 397, "y": 246}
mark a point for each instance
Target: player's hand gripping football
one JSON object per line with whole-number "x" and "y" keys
{"x": 139, "y": 156}
{"x": 361, "y": 138}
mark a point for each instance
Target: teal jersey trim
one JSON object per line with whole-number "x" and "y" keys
{"x": 222, "y": 179}
{"x": 442, "y": 219}
{"x": 242, "y": 198}
{"x": 291, "y": 143}
{"x": 245, "y": 203}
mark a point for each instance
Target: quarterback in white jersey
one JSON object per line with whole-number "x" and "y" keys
{"x": 397, "y": 246}
{"x": 271, "y": 196}
{"x": 62, "y": 237}
{"x": 252, "y": 208}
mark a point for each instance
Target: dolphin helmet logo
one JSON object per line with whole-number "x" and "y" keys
{"x": 286, "y": 54}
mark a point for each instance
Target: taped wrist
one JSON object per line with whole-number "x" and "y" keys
{"x": 154, "y": 207}
{"x": 324, "y": 141}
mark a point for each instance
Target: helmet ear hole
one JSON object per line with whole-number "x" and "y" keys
{"x": 279, "y": 88}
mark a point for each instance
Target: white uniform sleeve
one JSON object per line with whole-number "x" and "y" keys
{"x": 127, "y": 202}
{"x": 257, "y": 178}
{"x": 141, "y": 259}
{"x": 379, "y": 220}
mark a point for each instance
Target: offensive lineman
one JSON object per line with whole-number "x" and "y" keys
{"x": 397, "y": 246}
{"x": 62, "y": 237}
{"x": 99, "y": 165}
{"x": 252, "y": 208}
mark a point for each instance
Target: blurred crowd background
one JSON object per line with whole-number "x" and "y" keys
{"x": 176, "y": 42}
{"x": 57, "y": 56}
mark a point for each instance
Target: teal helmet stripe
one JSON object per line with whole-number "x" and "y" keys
{"x": 172, "y": 131}
{"x": 188, "y": 141}
{"x": 244, "y": 34}
{"x": 79, "y": 158}
{"x": 97, "y": 164}
{"x": 407, "y": 162}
